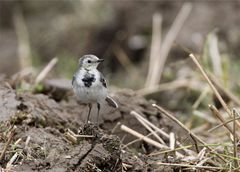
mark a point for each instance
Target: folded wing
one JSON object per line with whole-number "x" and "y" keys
{"x": 111, "y": 102}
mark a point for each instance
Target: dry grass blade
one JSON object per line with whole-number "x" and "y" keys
{"x": 224, "y": 91}
{"x": 205, "y": 117}
{"x": 169, "y": 39}
{"x": 234, "y": 138}
{"x": 70, "y": 137}
{"x": 10, "y": 137}
{"x": 202, "y": 162}
{"x": 215, "y": 55}
{"x": 11, "y": 161}
{"x": 134, "y": 141}
{"x": 192, "y": 166}
{"x": 210, "y": 83}
{"x": 172, "y": 141}
{"x": 158, "y": 130}
{"x": 212, "y": 86}
{"x": 115, "y": 127}
{"x": 147, "y": 127}
{"x": 146, "y": 139}
{"x": 27, "y": 141}
{"x": 155, "y": 49}
{"x": 83, "y": 136}
{"x": 200, "y": 98}
{"x": 123, "y": 58}
{"x": 46, "y": 70}
{"x": 169, "y": 115}
{"x": 217, "y": 114}
{"x": 161, "y": 58}
{"x": 183, "y": 83}
{"x": 142, "y": 137}
{"x": 138, "y": 116}
{"x": 24, "y": 49}
{"x": 167, "y": 151}
{"x": 220, "y": 125}
{"x": 201, "y": 154}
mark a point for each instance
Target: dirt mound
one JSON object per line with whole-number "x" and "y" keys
{"x": 46, "y": 130}
{"x": 52, "y": 135}
{"x": 49, "y": 150}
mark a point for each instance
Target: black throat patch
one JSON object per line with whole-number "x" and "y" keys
{"x": 88, "y": 79}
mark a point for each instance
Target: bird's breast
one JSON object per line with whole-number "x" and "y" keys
{"x": 88, "y": 88}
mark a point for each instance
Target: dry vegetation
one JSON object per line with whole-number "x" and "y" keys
{"x": 42, "y": 126}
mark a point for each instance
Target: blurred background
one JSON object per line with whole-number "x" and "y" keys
{"x": 129, "y": 35}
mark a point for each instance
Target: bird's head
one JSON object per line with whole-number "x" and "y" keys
{"x": 89, "y": 62}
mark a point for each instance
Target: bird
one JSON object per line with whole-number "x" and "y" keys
{"x": 89, "y": 84}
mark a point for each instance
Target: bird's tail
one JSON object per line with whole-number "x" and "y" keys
{"x": 111, "y": 102}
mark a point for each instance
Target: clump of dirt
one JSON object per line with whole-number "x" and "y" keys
{"x": 53, "y": 136}
{"x": 49, "y": 150}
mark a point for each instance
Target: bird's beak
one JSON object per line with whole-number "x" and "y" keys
{"x": 100, "y": 60}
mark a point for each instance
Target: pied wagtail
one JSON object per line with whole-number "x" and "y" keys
{"x": 89, "y": 84}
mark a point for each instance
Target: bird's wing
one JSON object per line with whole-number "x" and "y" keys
{"x": 102, "y": 80}
{"x": 73, "y": 79}
{"x": 111, "y": 102}
{"x": 108, "y": 99}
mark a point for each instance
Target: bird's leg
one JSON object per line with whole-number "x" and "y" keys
{"x": 98, "y": 107}
{"x": 90, "y": 108}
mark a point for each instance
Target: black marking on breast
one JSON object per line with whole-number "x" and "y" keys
{"x": 103, "y": 81}
{"x": 88, "y": 79}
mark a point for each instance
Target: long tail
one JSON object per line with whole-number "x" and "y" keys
{"x": 111, "y": 102}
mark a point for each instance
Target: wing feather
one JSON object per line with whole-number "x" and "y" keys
{"x": 111, "y": 102}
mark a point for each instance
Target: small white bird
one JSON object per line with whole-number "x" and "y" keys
{"x": 89, "y": 84}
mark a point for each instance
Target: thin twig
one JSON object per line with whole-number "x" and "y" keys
{"x": 46, "y": 70}
{"x": 169, "y": 115}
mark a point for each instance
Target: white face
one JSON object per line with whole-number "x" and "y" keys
{"x": 89, "y": 62}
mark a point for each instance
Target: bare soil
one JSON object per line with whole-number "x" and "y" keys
{"x": 46, "y": 119}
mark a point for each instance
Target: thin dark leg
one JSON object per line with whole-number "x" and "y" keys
{"x": 98, "y": 107}
{"x": 90, "y": 108}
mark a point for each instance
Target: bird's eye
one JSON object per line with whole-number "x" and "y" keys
{"x": 89, "y": 61}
